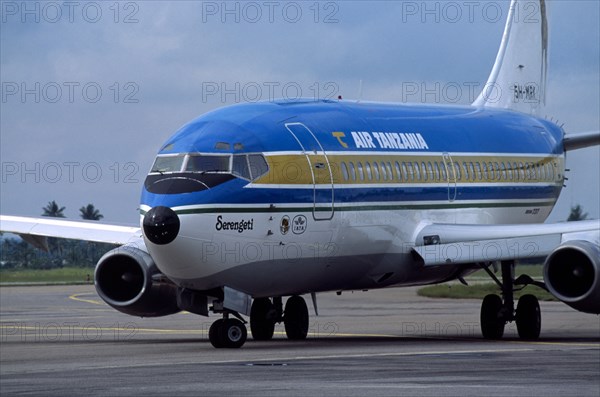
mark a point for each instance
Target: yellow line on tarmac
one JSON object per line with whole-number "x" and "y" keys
{"x": 76, "y": 297}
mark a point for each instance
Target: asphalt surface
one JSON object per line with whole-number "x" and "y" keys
{"x": 63, "y": 341}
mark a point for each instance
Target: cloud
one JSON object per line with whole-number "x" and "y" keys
{"x": 153, "y": 61}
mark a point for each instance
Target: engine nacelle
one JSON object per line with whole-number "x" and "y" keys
{"x": 572, "y": 274}
{"x": 127, "y": 279}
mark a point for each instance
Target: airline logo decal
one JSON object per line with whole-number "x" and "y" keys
{"x": 382, "y": 140}
{"x": 240, "y": 226}
{"x": 299, "y": 224}
{"x": 284, "y": 227}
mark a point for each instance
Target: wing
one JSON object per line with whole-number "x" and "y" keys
{"x": 36, "y": 230}
{"x": 438, "y": 244}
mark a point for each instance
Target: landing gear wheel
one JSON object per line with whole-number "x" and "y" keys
{"x": 492, "y": 322}
{"x": 229, "y": 333}
{"x": 295, "y": 318}
{"x": 233, "y": 333}
{"x": 528, "y": 318}
{"x": 214, "y": 334}
{"x": 262, "y": 322}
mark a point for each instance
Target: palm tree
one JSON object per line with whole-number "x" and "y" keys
{"x": 53, "y": 210}
{"x": 577, "y": 214}
{"x": 89, "y": 212}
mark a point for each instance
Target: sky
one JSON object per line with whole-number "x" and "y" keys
{"x": 90, "y": 90}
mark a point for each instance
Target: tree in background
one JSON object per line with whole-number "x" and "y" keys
{"x": 89, "y": 212}
{"x": 53, "y": 210}
{"x": 577, "y": 214}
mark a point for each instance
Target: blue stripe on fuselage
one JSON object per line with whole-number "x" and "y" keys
{"x": 233, "y": 193}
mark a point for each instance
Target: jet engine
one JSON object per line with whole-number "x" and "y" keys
{"x": 127, "y": 279}
{"x": 572, "y": 274}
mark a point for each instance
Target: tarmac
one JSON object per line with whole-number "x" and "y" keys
{"x": 64, "y": 341}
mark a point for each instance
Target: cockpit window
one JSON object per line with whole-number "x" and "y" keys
{"x": 258, "y": 165}
{"x": 246, "y": 166}
{"x": 203, "y": 163}
{"x": 164, "y": 164}
{"x": 240, "y": 166}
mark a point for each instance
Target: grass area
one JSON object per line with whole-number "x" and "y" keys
{"x": 535, "y": 271}
{"x": 478, "y": 291}
{"x": 69, "y": 275}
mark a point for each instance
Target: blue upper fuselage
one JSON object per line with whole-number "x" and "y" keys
{"x": 261, "y": 128}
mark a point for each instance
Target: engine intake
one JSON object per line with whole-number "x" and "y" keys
{"x": 127, "y": 279}
{"x": 572, "y": 274}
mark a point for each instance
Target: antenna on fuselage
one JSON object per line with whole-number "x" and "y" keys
{"x": 360, "y": 90}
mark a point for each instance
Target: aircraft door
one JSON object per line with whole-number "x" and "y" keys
{"x": 451, "y": 176}
{"x": 321, "y": 175}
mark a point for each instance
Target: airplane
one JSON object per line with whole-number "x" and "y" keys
{"x": 253, "y": 203}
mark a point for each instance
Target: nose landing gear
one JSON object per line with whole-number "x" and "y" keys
{"x": 228, "y": 333}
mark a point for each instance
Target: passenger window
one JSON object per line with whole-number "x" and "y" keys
{"x": 530, "y": 171}
{"x": 430, "y": 171}
{"x": 457, "y": 171}
{"x": 417, "y": 171}
{"x": 472, "y": 170}
{"x": 478, "y": 170}
{"x": 503, "y": 169}
{"x": 398, "y": 172}
{"x": 383, "y": 172}
{"x": 345, "y": 171}
{"x": 368, "y": 169}
{"x": 436, "y": 168}
{"x": 375, "y": 171}
{"x": 491, "y": 174}
{"x": 361, "y": 172}
{"x": 352, "y": 171}
{"x": 465, "y": 170}
{"x": 485, "y": 171}
{"x": 390, "y": 171}
{"x": 405, "y": 172}
{"x": 444, "y": 173}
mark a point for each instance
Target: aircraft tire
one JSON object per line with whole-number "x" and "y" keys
{"x": 295, "y": 318}
{"x": 262, "y": 325}
{"x": 528, "y": 317}
{"x": 492, "y": 323}
{"x": 233, "y": 333}
{"x": 214, "y": 334}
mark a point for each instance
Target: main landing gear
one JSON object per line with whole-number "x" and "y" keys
{"x": 264, "y": 314}
{"x": 496, "y": 311}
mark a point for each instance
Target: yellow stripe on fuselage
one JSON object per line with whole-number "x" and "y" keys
{"x": 384, "y": 168}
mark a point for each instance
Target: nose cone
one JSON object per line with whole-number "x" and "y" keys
{"x": 161, "y": 225}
